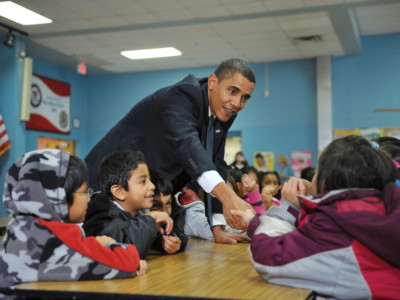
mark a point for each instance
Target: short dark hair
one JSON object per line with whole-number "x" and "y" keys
{"x": 307, "y": 173}
{"x": 351, "y": 162}
{"x": 234, "y": 175}
{"x": 384, "y": 140}
{"x": 251, "y": 169}
{"x": 116, "y": 168}
{"x": 235, "y": 65}
{"x": 259, "y": 155}
{"x": 392, "y": 150}
{"x": 162, "y": 184}
{"x": 77, "y": 174}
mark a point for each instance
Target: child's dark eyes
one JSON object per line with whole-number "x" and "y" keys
{"x": 156, "y": 206}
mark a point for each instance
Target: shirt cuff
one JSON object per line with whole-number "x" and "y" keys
{"x": 218, "y": 220}
{"x": 208, "y": 180}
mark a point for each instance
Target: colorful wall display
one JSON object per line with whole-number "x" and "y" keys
{"x": 300, "y": 160}
{"x": 267, "y": 163}
{"x": 369, "y": 133}
{"x": 61, "y": 144}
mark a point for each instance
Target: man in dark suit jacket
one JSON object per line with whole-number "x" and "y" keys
{"x": 170, "y": 128}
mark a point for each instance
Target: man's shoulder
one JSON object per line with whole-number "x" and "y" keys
{"x": 192, "y": 79}
{"x": 191, "y": 83}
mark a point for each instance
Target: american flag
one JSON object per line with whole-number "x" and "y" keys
{"x": 4, "y": 141}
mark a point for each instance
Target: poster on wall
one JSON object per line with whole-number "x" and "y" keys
{"x": 342, "y": 132}
{"x": 370, "y": 133}
{"x": 300, "y": 160}
{"x": 391, "y": 131}
{"x": 61, "y": 144}
{"x": 50, "y": 105}
{"x": 263, "y": 161}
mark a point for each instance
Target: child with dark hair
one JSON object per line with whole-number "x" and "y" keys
{"x": 253, "y": 172}
{"x": 270, "y": 189}
{"x": 246, "y": 187}
{"x": 117, "y": 211}
{"x": 191, "y": 199}
{"x": 390, "y": 146}
{"x": 176, "y": 240}
{"x": 307, "y": 173}
{"x": 341, "y": 242}
{"x": 47, "y": 192}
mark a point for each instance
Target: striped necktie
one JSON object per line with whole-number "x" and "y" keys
{"x": 210, "y": 137}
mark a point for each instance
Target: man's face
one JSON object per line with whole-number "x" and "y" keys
{"x": 228, "y": 96}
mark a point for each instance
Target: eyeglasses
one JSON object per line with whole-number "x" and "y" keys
{"x": 89, "y": 192}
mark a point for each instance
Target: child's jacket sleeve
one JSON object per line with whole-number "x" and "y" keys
{"x": 56, "y": 251}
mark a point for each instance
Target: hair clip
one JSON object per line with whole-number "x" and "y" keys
{"x": 396, "y": 163}
{"x": 374, "y": 145}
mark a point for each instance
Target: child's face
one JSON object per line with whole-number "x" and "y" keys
{"x": 260, "y": 161}
{"x": 162, "y": 203}
{"x": 269, "y": 179}
{"x": 141, "y": 190}
{"x": 80, "y": 200}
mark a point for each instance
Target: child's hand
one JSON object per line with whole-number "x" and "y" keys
{"x": 292, "y": 188}
{"x": 249, "y": 183}
{"x": 246, "y": 216}
{"x": 162, "y": 217}
{"x": 105, "y": 240}
{"x": 171, "y": 244}
{"x": 142, "y": 268}
{"x": 266, "y": 195}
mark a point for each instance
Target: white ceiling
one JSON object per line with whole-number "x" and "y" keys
{"x": 206, "y": 31}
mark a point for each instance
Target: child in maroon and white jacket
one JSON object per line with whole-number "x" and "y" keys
{"x": 343, "y": 242}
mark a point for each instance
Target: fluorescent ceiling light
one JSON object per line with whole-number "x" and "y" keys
{"x": 20, "y": 14}
{"x": 151, "y": 53}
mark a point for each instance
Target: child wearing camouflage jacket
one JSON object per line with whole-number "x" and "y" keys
{"x": 44, "y": 190}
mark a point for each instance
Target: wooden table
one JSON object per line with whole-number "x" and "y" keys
{"x": 3, "y": 225}
{"x": 4, "y": 221}
{"x": 204, "y": 270}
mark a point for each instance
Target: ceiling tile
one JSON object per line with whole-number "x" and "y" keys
{"x": 122, "y": 7}
{"x": 245, "y": 7}
{"x": 283, "y": 4}
{"x": 311, "y": 3}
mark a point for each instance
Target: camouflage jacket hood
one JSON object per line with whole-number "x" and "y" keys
{"x": 35, "y": 185}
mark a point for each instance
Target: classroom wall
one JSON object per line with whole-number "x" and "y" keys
{"x": 283, "y": 122}
{"x": 366, "y": 82}
{"x": 9, "y": 108}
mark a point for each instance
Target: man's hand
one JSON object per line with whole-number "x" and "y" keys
{"x": 162, "y": 217}
{"x": 246, "y": 216}
{"x": 235, "y": 203}
{"x": 171, "y": 244}
{"x": 223, "y": 237}
{"x": 231, "y": 201}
